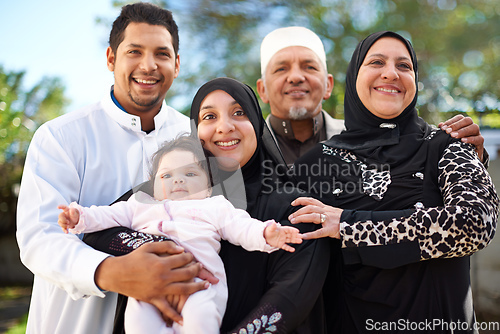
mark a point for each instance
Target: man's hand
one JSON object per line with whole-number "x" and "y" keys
{"x": 177, "y": 303}
{"x": 146, "y": 275}
{"x": 465, "y": 129}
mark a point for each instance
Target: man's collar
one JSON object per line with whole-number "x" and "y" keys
{"x": 113, "y": 97}
{"x": 283, "y": 127}
{"x": 119, "y": 114}
{"x": 135, "y": 121}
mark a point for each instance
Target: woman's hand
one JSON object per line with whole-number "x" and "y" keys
{"x": 316, "y": 212}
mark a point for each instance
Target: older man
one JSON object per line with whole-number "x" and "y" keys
{"x": 295, "y": 81}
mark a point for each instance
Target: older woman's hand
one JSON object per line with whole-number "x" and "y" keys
{"x": 316, "y": 212}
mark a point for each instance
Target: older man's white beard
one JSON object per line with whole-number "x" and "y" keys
{"x": 298, "y": 113}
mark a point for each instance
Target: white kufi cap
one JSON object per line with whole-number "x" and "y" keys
{"x": 290, "y": 36}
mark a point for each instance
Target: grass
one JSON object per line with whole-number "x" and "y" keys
{"x": 11, "y": 293}
{"x": 20, "y": 328}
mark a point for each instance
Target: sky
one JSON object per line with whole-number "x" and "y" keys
{"x": 57, "y": 38}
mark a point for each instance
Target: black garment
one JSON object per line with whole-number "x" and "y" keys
{"x": 275, "y": 291}
{"x": 291, "y": 147}
{"x": 262, "y": 284}
{"x": 389, "y": 282}
{"x": 404, "y": 260}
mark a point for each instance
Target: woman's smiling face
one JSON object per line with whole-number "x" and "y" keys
{"x": 386, "y": 79}
{"x": 225, "y": 130}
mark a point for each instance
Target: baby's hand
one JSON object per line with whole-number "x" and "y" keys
{"x": 279, "y": 236}
{"x": 68, "y": 218}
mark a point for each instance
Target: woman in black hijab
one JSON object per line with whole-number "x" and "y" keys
{"x": 264, "y": 166}
{"x": 415, "y": 204}
{"x": 270, "y": 289}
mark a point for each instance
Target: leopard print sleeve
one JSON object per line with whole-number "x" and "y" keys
{"x": 465, "y": 224}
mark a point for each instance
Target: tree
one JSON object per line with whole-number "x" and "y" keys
{"x": 457, "y": 43}
{"x": 22, "y": 112}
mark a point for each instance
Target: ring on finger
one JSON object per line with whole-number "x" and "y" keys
{"x": 322, "y": 218}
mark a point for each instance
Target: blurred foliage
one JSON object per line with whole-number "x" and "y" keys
{"x": 21, "y": 113}
{"x": 19, "y": 328}
{"x": 13, "y": 293}
{"x": 457, "y": 43}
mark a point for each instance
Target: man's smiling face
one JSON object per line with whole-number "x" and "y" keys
{"x": 144, "y": 66}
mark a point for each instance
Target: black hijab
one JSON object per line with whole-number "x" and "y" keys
{"x": 267, "y": 152}
{"x": 371, "y": 138}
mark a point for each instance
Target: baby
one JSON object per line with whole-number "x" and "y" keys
{"x": 183, "y": 210}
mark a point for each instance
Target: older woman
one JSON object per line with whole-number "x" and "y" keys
{"x": 271, "y": 293}
{"x": 415, "y": 203}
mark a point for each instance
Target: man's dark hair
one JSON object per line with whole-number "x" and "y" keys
{"x": 142, "y": 12}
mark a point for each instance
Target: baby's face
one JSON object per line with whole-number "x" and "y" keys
{"x": 180, "y": 177}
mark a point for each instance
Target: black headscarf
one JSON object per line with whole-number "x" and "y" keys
{"x": 371, "y": 138}
{"x": 267, "y": 152}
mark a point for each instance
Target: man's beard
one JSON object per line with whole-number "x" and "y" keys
{"x": 298, "y": 113}
{"x": 142, "y": 102}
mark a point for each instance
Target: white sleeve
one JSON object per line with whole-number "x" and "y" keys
{"x": 51, "y": 178}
